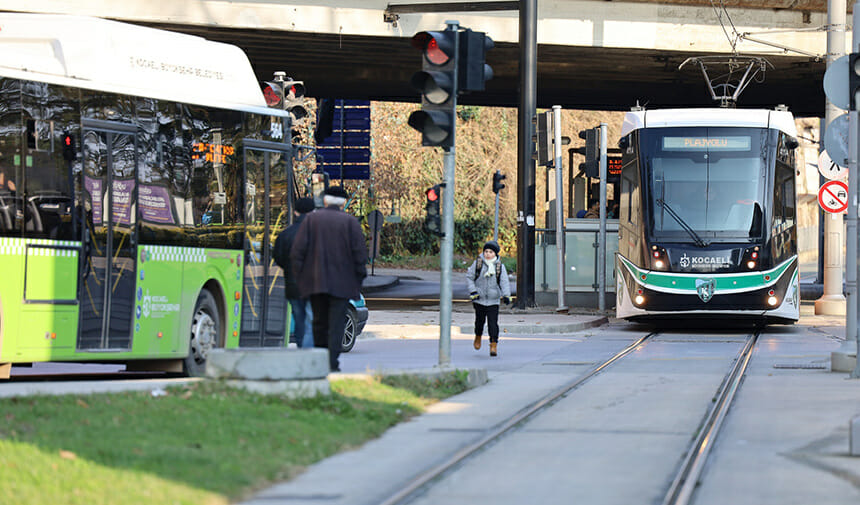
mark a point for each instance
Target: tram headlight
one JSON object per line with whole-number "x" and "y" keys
{"x": 750, "y": 264}
{"x": 639, "y": 299}
{"x": 771, "y": 298}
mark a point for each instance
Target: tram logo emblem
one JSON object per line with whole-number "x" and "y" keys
{"x": 685, "y": 261}
{"x": 705, "y": 289}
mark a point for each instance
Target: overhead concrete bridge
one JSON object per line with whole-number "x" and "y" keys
{"x": 591, "y": 54}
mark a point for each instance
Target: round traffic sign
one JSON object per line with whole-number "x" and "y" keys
{"x": 836, "y": 83}
{"x": 829, "y": 169}
{"x": 833, "y": 196}
{"x": 836, "y": 138}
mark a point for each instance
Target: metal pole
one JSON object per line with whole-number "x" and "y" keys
{"x": 496, "y": 220}
{"x": 559, "y": 207}
{"x": 832, "y": 302}
{"x": 525, "y": 162}
{"x": 601, "y": 242}
{"x": 853, "y": 180}
{"x": 446, "y": 250}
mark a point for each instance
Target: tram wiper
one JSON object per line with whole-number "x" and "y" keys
{"x": 695, "y": 236}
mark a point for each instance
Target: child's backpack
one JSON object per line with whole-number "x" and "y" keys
{"x": 480, "y": 261}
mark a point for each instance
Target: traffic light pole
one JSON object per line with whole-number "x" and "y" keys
{"x": 853, "y": 183}
{"x": 601, "y": 243}
{"x": 446, "y": 249}
{"x": 559, "y": 206}
{"x": 525, "y": 149}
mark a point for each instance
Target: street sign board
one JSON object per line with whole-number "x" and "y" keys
{"x": 829, "y": 169}
{"x": 833, "y": 197}
{"x": 836, "y": 139}
{"x": 836, "y": 83}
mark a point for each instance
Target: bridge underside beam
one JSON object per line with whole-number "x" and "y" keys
{"x": 576, "y": 77}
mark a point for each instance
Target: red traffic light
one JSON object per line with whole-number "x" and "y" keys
{"x": 433, "y": 193}
{"x": 438, "y": 47}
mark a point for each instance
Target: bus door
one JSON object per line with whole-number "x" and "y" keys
{"x": 268, "y": 182}
{"x": 107, "y": 267}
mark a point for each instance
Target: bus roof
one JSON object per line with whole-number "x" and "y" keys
{"x": 122, "y": 58}
{"x": 665, "y": 118}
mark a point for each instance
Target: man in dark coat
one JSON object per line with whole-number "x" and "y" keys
{"x": 301, "y": 307}
{"x": 328, "y": 258}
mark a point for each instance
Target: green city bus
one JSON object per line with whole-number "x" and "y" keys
{"x": 143, "y": 180}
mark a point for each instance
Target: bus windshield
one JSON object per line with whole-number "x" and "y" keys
{"x": 713, "y": 179}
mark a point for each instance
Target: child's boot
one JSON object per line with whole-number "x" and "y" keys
{"x": 477, "y": 342}
{"x": 493, "y": 348}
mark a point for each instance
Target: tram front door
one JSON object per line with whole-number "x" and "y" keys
{"x": 107, "y": 266}
{"x": 267, "y": 212}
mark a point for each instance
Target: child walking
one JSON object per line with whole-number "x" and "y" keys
{"x": 488, "y": 284}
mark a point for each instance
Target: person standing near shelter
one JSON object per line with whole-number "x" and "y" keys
{"x": 328, "y": 257}
{"x": 488, "y": 284}
{"x": 301, "y": 307}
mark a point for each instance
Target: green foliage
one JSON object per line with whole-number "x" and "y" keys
{"x": 468, "y": 112}
{"x": 202, "y": 443}
{"x": 409, "y": 238}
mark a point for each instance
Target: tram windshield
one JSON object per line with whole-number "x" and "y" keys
{"x": 712, "y": 178}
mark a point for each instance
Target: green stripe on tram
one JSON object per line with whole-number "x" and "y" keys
{"x": 681, "y": 282}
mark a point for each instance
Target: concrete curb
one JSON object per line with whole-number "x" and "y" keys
{"x": 545, "y": 329}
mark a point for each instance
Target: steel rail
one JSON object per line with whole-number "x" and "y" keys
{"x": 682, "y": 487}
{"x": 402, "y": 495}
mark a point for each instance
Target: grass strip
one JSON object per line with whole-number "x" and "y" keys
{"x": 203, "y": 443}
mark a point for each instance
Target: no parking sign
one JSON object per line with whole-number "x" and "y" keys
{"x": 833, "y": 196}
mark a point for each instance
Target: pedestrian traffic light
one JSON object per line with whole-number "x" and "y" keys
{"x": 474, "y": 71}
{"x": 437, "y": 84}
{"x": 433, "y": 219}
{"x": 498, "y": 177}
{"x": 294, "y": 100}
{"x": 854, "y": 80}
{"x": 591, "y": 151}
{"x": 70, "y": 152}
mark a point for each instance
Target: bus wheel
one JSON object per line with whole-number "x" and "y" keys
{"x": 205, "y": 332}
{"x": 349, "y": 331}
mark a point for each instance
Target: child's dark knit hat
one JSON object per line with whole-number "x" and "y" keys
{"x": 493, "y": 246}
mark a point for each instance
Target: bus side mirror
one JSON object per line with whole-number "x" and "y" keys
{"x": 791, "y": 143}
{"x": 624, "y": 142}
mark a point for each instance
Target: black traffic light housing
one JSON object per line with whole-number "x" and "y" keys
{"x": 591, "y": 151}
{"x": 294, "y": 100}
{"x": 853, "y": 80}
{"x": 70, "y": 150}
{"x": 437, "y": 84}
{"x": 498, "y": 177}
{"x": 543, "y": 140}
{"x": 433, "y": 219}
{"x": 473, "y": 68}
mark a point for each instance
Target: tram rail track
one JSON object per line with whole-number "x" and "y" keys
{"x": 688, "y": 472}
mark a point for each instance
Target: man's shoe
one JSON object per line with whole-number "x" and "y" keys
{"x": 493, "y": 348}
{"x": 477, "y": 342}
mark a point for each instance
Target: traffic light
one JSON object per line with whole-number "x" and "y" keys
{"x": 433, "y": 219}
{"x": 543, "y": 139}
{"x": 591, "y": 151}
{"x": 435, "y": 82}
{"x": 273, "y": 92}
{"x": 854, "y": 79}
{"x": 294, "y": 100}
{"x": 474, "y": 71}
{"x": 497, "y": 182}
{"x": 70, "y": 152}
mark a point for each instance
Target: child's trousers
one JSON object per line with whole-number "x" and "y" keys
{"x": 490, "y": 313}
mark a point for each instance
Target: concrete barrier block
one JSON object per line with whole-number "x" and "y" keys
{"x": 268, "y": 364}
{"x": 854, "y": 436}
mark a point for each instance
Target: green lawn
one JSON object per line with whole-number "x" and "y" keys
{"x": 203, "y": 443}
